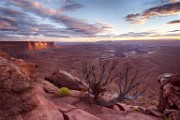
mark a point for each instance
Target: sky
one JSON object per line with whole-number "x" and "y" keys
{"x": 89, "y": 20}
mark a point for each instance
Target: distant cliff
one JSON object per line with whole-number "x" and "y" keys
{"x": 41, "y": 45}
{"x": 14, "y": 47}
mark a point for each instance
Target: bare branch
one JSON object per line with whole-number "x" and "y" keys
{"x": 97, "y": 86}
{"x": 128, "y": 86}
{"x": 102, "y": 64}
{"x": 113, "y": 66}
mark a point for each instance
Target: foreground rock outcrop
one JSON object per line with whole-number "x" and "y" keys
{"x": 23, "y": 97}
{"x": 15, "y": 92}
{"x": 169, "y": 102}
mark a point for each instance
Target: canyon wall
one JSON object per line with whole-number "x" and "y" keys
{"x": 17, "y": 47}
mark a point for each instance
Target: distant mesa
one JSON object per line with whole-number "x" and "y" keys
{"x": 18, "y": 49}
{"x": 41, "y": 45}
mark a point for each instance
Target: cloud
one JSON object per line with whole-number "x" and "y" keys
{"x": 138, "y": 34}
{"x": 68, "y": 1}
{"x": 12, "y": 24}
{"x": 10, "y": 12}
{"x": 151, "y": 34}
{"x": 80, "y": 26}
{"x": 11, "y": 20}
{"x": 7, "y": 24}
{"x": 163, "y": 10}
{"x": 134, "y": 18}
{"x": 71, "y": 7}
{"x": 34, "y": 6}
{"x": 49, "y": 1}
{"x": 174, "y": 31}
{"x": 174, "y": 22}
{"x": 172, "y": 1}
{"x": 73, "y": 25}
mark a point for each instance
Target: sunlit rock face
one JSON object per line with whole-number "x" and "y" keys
{"x": 41, "y": 45}
{"x": 26, "y": 45}
{"x": 18, "y": 49}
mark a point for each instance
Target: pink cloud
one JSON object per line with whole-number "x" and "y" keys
{"x": 163, "y": 10}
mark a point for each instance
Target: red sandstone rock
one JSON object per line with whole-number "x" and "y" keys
{"x": 78, "y": 114}
{"x": 74, "y": 113}
{"x": 61, "y": 78}
{"x": 127, "y": 116}
{"x": 169, "y": 102}
{"x": 21, "y": 98}
{"x": 48, "y": 87}
{"x": 15, "y": 91}
{"x": 46, "y": 110}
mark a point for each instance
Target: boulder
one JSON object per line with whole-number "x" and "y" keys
{"x": 61, "y": 78}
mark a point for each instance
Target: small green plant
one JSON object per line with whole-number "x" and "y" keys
{"x": 64, "y": 91}
{"x": 137, "y": 109}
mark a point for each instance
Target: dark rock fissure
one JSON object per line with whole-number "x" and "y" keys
{"x": 65, "y": 116}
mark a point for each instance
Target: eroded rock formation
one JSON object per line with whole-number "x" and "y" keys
{"x": 21, "y": 98}
{"x": 169, "y": 102}
{"x": 15, "y": 91}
